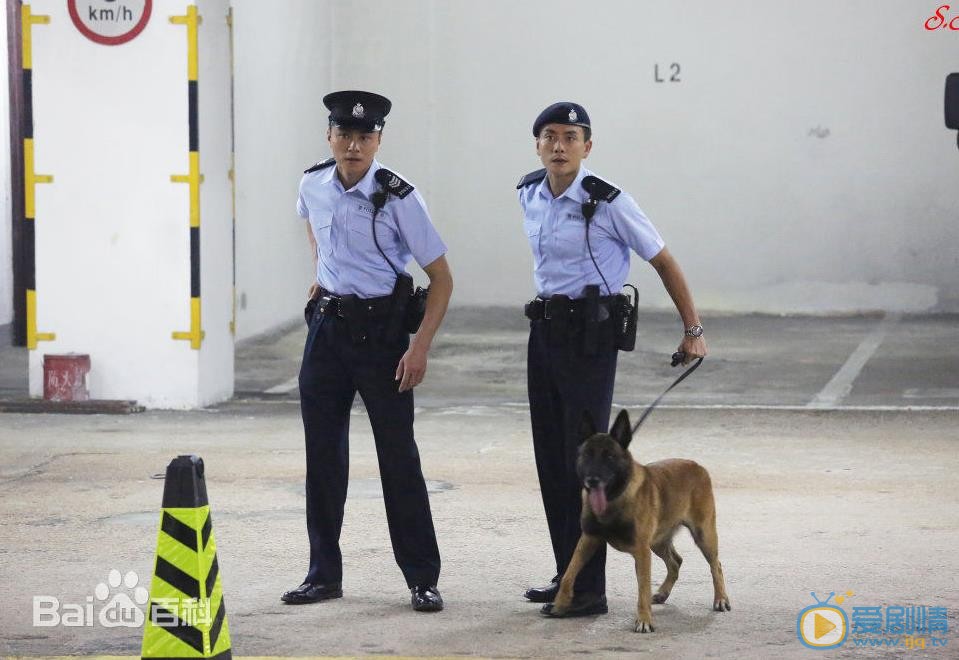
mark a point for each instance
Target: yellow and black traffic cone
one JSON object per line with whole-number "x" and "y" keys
{"x": 187, "y": 617}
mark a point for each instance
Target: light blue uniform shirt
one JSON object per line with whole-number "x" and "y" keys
{"x": 347, "y": 258}
{"x": 556, "y": 230}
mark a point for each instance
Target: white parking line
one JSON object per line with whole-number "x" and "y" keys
{"x": 738, "y": 406}
{"x": 284, "y": 388}
{"x": 839, "y": 387}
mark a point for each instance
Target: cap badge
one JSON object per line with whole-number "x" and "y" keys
{"x": 572, "y": 114}
{"x": 358, "y": 111}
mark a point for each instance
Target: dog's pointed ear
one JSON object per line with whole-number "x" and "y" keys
{"x": 587, "y": 427}
{"x": 621, "y": 431}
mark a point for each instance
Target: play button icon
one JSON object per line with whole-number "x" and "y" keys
{"x": 822, "y": 626}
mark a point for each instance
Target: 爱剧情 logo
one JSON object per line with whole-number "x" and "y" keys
{"x": 823, "y": 626}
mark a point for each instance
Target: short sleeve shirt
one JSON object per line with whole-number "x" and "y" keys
{"x": 348, "y": 261}
{"x": 556, "y": 230}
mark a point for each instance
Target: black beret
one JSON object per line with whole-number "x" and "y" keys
{"x": 363, "y": 110}
{"x": 564, "y": 112}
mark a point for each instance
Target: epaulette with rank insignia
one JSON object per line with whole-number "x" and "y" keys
{"x": 531, "y": 178}
{"x": 322, "y": 165}
{"x": 602, "y": 191}
{"x": 392, "y": 183}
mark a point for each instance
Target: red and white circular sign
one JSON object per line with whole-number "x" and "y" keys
{"x": 110, "y": 22}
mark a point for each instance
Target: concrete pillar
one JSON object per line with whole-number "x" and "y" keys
{"x": 134, "y": 257}
{"x": 6, "y": 248}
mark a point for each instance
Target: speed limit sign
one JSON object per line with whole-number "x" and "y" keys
{"x": 110, "y": 22}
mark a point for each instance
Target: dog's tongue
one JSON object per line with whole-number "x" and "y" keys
{"x": 597, "y": 500}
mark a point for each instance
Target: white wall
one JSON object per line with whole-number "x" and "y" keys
{"x": 281, "y": 73}
{"x": 6, "y": 249}
{"x": 112, "y": 231}
{"x": 215, "y": 368}
{"x": 801, "y": 164}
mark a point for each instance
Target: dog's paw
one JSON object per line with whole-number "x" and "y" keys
{"x": 644, "y": 627}
{"x": 659, "y": 598}
{"x": 721, "y": 605}
{"x": 551, "y": 609}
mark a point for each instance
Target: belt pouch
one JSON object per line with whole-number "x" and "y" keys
{"x": 591, "y": 321}
{"x": 558, "y": 308}
{"x": 416, "y": 309}
{"x": 534, "y": 310}
{"x": 309, "y": 310}
{"x": 399, "y": 298}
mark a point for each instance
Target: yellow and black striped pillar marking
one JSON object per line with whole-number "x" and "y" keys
{"x": 192, "y": 20}
{"x": 30, "y": 180}
{"x": 187, "y": 616}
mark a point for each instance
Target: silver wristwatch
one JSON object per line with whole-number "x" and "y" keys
{"x": 694, "y": 331}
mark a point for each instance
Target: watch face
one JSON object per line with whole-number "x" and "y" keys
{"x": 695, "y": 331}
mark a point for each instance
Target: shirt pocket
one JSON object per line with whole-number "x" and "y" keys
{"x": 360, "y": 237}
{"x": 323, "y": 233}
{"x": 534, "y": 232}
{"x": 569, "y": 239}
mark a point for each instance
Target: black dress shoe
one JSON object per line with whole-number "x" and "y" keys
{"x": 543, "y": 594}
{"x": 584, "y": 604}
{"x": 312, "y": 592}
{"x": 426, "y": 599}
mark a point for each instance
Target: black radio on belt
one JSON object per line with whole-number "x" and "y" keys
{"x": 626, "y": 319}
{"x": 416, "y": 309}
{"x": 624, "y": 311}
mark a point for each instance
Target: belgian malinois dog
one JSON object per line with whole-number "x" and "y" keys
{"x": 637, "y": 508}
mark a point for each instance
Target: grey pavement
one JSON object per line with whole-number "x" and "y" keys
{"x": 480, "y": 359}
{"x": 832, "y": 444}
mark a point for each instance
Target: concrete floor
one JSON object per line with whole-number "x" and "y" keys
{"x": 832, "y": 444}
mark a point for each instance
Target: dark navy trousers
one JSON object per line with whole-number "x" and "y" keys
{"x": 334, "y": 369}
{"x": 563, "y": 380}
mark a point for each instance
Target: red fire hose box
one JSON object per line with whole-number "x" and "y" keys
{"x": 65, "y": 377}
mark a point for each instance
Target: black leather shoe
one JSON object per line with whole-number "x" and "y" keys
{"x": 426, "y": 599}
{"x": 584, "y": 604}
{"x": 312, "y": 592}
{"x": 543, "y": 594}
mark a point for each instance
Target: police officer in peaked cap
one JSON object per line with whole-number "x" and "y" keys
{"x": 364, "y": 224}
{"x": 581, "y": 229}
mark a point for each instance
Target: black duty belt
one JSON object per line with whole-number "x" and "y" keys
{"x": 350, "y": 306}
{"x": 564, "y": 313}
{"x": 546, "y": 309}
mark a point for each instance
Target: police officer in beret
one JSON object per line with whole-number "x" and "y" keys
{"x": 364, "y": 224}
{"x": 581, "y": 229}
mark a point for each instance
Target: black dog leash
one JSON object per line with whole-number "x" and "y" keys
{"x": 677, "y": 358}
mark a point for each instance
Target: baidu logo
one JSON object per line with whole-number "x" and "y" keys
{"x": 115, "y": 607}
